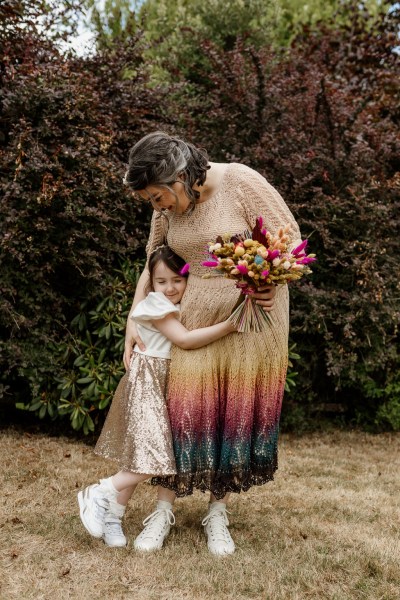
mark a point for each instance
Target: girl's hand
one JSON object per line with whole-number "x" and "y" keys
{"x": 265, "y": 297}
{"x": 131, "y": 338}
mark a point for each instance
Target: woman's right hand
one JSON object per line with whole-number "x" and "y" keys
{"x": 131, "y": 338}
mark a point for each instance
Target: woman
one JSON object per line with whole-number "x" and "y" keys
{"x": 224, "y": 400}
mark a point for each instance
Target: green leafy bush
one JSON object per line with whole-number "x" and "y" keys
{"x": 87, "y": 364}
{"x": 321, "y": 123}
{"x": 65, "y": 129}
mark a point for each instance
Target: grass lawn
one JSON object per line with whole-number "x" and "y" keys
{"x": 327, "y": 527}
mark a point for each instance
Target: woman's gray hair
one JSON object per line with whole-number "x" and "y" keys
{"x": 160, "y": 159}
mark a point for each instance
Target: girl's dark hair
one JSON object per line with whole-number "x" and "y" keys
{"x": 167, "y": 256}
{"x": 159, "y": 159}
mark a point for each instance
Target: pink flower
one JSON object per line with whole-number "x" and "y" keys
{"x": 306, "y": 260}
{"x": 265, "y": 273}
{"x": 185, "y": 269}
{"x": 299, "y": 248}
{"x": 210, "y": 263}
{"x": 242, "y": 269}
{"x": 273, "y": 254}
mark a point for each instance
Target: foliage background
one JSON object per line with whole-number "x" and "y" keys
{"x": 312, "y": 104}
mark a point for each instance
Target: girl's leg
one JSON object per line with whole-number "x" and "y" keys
{"x": 125, "y": 483}
{"x": 102, "y": 505}
{"x": 215, "y": 523}
{"x": 125, "y": 495}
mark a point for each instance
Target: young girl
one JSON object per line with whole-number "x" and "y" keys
{"x": 136, "y": 433}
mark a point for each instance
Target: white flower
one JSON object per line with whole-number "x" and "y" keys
{"x": 286, "y": 265}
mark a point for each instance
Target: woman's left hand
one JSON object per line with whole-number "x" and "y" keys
{"x": 265, "y": 297}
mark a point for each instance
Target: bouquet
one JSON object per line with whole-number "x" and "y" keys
{"x": 255, "y": 259}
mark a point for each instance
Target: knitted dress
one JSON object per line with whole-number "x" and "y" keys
{"x": 224, "y": 400}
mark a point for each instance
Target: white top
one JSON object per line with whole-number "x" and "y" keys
{"x": 154, "y": 306}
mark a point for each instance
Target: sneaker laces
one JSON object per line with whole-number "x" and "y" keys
{"x": 153, "y": 521}
{"x": 218, "y": 520}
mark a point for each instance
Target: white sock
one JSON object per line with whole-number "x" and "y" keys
{"x": 163, "y": 504}
{"x": 108, "y": 486}
{"x": 216, "y": 504}
{"x": 115, "y": 509}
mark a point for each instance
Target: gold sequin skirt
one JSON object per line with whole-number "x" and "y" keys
{"x": 137, "y": 432}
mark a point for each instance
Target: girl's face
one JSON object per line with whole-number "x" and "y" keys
{"x": 163, "y": 199}
{"x": 169, "y": 283}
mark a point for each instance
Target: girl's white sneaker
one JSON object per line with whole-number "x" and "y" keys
{"x": 93, "y": 504}
{"x": 219, "y": 540}
{"x": 157, "y": 527}
{"x": 113, "y": 535}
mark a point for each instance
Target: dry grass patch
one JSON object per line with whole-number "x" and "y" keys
{"x": 327, "y": 527}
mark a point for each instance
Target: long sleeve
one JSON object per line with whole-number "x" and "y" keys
{"x": 259, "y": 198}
{"x": 158, "y": 232}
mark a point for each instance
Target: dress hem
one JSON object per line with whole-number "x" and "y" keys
{"x": 188, "y": 483}
{"x": 123, "y": 467}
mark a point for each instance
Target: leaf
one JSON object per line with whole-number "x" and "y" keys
{"x": 85, "y": 379}
{"x": 80, "y": 361}
{"x": 104, "y": 403}
{"x": 89, "y": 423}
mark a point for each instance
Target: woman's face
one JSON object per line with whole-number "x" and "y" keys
{"x": 169, "y": 283}
{"x": 163, "y": 199}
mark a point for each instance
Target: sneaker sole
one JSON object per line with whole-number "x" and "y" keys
{"x": 114, "y": 545}
{"x": 82, "y": 509}
{"x": 154, "y": 549}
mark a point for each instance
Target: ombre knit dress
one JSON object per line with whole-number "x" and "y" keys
{"x": 224, "y": 400}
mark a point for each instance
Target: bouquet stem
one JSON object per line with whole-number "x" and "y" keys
{"x": 249, "y": 317}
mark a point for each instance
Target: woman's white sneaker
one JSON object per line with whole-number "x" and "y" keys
{"x": 157, "y": 527}
{"x": 219, "y": 540}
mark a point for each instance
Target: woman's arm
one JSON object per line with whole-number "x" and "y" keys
{"x": 259, "y": 198}
{"x": 189, "y": 340}
{"x": 131, "y": 334}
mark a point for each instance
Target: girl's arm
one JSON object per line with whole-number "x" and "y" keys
{"x": 189, "y": 340}
{"x": 131, "y": 335}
